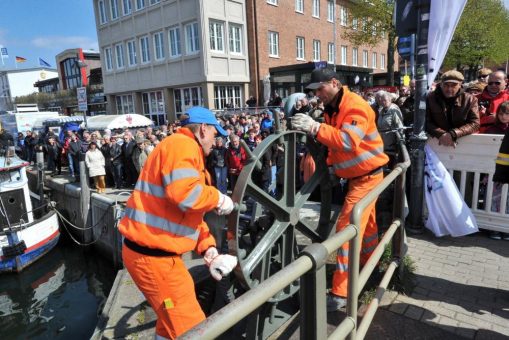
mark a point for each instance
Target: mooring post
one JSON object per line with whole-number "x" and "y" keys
{"x": 84, "y": 197}
{"x": 39, "y": 157}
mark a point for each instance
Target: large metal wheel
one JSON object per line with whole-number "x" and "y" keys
{"x": 264, "y": 233}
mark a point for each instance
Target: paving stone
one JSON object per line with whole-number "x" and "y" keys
{"x": 479, "y": 323}
{"x": 414, "y": 312}
{"x": 466, "y": 330}
{"x": 447, "y": 323}
{"x": 398, "y": 307}
{"x": 501, "y": 330}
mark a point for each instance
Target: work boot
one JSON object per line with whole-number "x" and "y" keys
{"x": 335, "y": 302}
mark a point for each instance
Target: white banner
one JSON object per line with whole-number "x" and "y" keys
{"x": 444, "y": 17}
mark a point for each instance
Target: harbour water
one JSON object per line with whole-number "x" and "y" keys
{"x": 58, "y": 297}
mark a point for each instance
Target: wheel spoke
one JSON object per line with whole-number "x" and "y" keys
{"x": 289, "y": 171}
{"x": 267, "y": 201}
{"x": 308, "y": 231}
{"x": 264, "y": 245}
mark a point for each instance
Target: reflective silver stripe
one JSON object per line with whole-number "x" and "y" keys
{"x": 369, "y": 250}
{"x": 355, "y": 129}
{"x": 177, "y": 174}
{"x": 151, "y": 189}
{"x": 371, "y": 136}
{"x": 161, "y": 223}
{"x": 191, "y": 199}
{"x": 367, "y": 240}
{"x": 342, "y": 267}
{"x": 347, "y": 141}
{"x": 342, "y": 252}
{"x": 359, "y": 159}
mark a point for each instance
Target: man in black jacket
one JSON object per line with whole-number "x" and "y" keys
{"x": 74, "y": 151}
{"x": 127, "y": 155}
{"x": 108, "y": 167}
{"x": 116, "y": 162}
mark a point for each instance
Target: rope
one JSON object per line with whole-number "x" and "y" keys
{"x": 66, "y": 221}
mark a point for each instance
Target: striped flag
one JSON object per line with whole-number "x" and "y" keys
{"x": 44, "y": 63}
{"x": 20, "y": 59}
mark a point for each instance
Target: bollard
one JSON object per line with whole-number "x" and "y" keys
{"x": 39, "y": 157}
{"x": 84, "y": 197}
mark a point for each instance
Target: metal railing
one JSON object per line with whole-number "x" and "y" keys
{"x": 310, "y": 268}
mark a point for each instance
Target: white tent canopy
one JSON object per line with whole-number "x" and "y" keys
{"x": 113, "y": 122}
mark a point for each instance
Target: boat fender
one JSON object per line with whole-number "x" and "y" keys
{"x": 15, "y": 249}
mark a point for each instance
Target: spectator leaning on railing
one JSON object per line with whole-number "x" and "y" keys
{"x": 450, "y": 112}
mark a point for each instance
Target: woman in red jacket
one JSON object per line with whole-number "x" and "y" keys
{"x": 235, "y": 160}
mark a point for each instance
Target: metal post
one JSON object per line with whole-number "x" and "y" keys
{"x": 418, "y": 138}
{"x": 84, "y": 197}
{"x": 313, "y": 322}
{"x": 412, "y": 56}
{"x": 353, "y": 272}
{"x": 39, "y": 157}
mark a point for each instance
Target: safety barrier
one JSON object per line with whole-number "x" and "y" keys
{"x": 247, "y": 110}
{"x": 310, "y": 269}
{"x": 472, "y": 164}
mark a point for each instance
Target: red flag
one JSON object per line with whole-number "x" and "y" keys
{"x": 20, "y": 59}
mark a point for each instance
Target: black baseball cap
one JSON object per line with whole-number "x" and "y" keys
{"x": 319, "y": 76}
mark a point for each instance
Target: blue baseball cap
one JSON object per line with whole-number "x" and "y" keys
{"x": 201, "y": 115}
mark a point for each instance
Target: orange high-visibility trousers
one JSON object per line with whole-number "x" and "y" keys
{"x": 357, "y": 189}
{"x": 169, "y": 289}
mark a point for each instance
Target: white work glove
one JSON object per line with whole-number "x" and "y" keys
{"x": 305, "y": 123}
{"x": 209, "y": 255}
{"x": 225, "y": 205}
{"x": 222, "y": 265}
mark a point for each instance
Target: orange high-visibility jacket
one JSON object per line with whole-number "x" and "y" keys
{"x": 355, "y": 146}
{"x": 166, "y": 208}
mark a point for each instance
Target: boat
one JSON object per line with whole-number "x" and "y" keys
{"x": 26, "y": 234}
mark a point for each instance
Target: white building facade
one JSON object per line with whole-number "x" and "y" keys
{"x": 160, "y": 57}
{"x": 21, "y": 82}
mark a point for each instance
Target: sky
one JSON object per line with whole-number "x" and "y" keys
{"x": 35, "y": 29}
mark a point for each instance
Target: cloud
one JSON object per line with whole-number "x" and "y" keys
{"x": 63, "y": 42}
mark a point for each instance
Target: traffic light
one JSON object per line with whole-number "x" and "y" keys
{"x": 405, "y": 47}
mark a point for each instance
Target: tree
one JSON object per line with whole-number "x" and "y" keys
{"x": 368, "y": 22}
{"x": 480, "y": 37}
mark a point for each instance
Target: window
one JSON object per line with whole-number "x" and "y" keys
{"x": 364, "y": 58}
{"x": 174, "y": 38}
{"x": 128, "y": 7}
{"x": 158, "y": 46}
{"x": 330, "y": 11}
{"x": 355, "y": 56}
{"x": 140, "y": 4}
{"x": 331, "y": 53}
{"x": 144, "y": 50}
{"x": 131, "y": 53}
{"x": 316, "y": 50}
{"x": 125, "y": 104}
{"x": 153, "y": 2}
{"x": 216, "y": 31}
{"x": 299, "y": 6}
{"x": 364, "y": 24}
{"x": 187, "y": 97}
{"x": 272, "y": 2}
{"x": 108, "y": 59}
{"x": 192, "y": 42}
{"x": 102, "y": 12}
{"x": 382, "y": 61}
{"x": 273, "y": 44}
{"x": 316, "y": 8}
{"x": 300, "y": 48}
{"x": 153, "y": 106}
{"x": 72, "y": 73}
{"x": 355, "y": 24}
{"x": 344, "y": 51}
{"x": 114, "y": 9}
{"x": 374, "y": 29}
{"x": 224, "y": 95}
{"x": 119, "y": 51}
{"x": 235, "y": 34}
{"x": 373, "y": 60}
{"x": 343, "y": 19}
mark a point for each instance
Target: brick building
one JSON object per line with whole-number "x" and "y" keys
{"x": 287, "y": 38}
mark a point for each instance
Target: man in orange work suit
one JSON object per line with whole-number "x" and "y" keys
{"x": 164, "y": 219}
{"x": 355, "y": 153}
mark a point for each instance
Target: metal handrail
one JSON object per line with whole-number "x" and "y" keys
{"x": 313, "y": 258}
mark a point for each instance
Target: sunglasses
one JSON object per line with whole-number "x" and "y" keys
{"x": 482, "y": 76}
{"x": 494, "y": 83}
